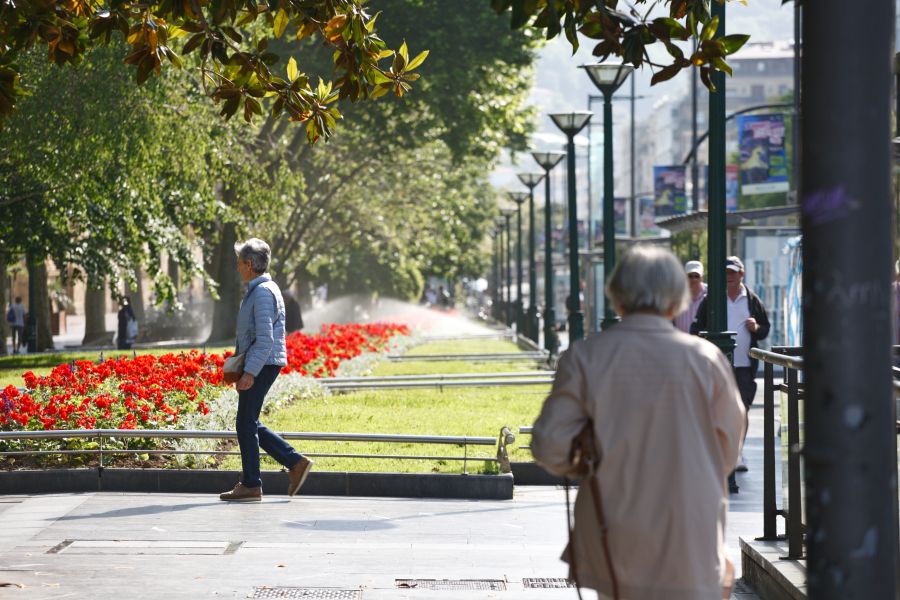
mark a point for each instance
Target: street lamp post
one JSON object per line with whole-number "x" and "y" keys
{"x": 501, "y": 310}
{"x": 507, "y": 215}
{"x": 608, "y": 78}
{"x": 519, "y": 198}
{"x": 495, "y": 265}
{"x": 570, "y": 124}
{"x": 532, "y": 328}
{"x": 548, "y": 160}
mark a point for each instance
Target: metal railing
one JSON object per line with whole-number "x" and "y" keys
{"x": 501, "y": 457}
{"x": 435, "y": 377}
{"x": 792, "y": 364}
{"x": 505, "y": 356}
{"x": 440, "y": 384}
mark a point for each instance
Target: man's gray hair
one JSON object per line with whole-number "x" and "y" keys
{"x": 256, "y": 251}
{"x": 648, "y": 278}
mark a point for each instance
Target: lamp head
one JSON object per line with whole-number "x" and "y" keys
{"x": 571, "y": 123}
{"x": 518, "y": 197}
{"x": 548, "y": 160}
{"x": 608, "y": 77}
{"x": 530, "y": 179}
{"x": 507, "y": 212}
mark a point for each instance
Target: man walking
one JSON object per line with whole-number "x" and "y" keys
{"x": 697, "y": 289}
{"x": 747, "y": 316}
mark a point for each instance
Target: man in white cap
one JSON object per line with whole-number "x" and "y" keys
{"x": 697, "y": 289}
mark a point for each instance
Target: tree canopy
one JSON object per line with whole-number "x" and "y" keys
{"x": 627, "y": 33}
{"x": 231, "y": 39}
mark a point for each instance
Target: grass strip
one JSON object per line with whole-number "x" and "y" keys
{"x": 454, "y": 412}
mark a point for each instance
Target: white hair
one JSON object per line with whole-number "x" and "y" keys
{"x": 648, "y": 278}
{"x": 256, "y": 251}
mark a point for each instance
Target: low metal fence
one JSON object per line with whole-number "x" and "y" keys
{"x": 440, "y": 384}
{"x": 105, "y": 436}
{"x": 436, "y": 377}
{"x": 505, "y": 356}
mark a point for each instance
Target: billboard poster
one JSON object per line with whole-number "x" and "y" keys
{"x": 647, "y": 218}
{"x": 763, "y": 165}
{"x": 731, "y": 188}
{"x": 669, "y": 190}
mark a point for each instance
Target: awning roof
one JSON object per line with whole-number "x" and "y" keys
{"x": 698, "y": 220}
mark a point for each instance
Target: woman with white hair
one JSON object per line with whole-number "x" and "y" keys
{"x": 667, "y": 423}
{"x": 260, "y": 338}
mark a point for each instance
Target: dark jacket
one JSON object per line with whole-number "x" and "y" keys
{"x": 757, "y": 311}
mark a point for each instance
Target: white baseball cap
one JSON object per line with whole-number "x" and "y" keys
{"x": 693, "y": 266}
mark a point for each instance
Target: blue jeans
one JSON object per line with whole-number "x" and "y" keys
{"x": 253, "y": 435}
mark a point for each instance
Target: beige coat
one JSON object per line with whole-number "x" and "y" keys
{"x": 668, "y": 420}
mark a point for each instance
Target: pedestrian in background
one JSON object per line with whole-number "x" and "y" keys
{"x": 293, "y": 316}
{"x": 261, "y": 339}
{"x": 15, "y": 317}
{"x": 747, "y": 316}
{"x": 127, "y": 325}
{"x": 668, "y": 420}
{"x": 693, "y": 269}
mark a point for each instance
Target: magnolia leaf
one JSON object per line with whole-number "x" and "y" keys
{"x": 380, "y": 91}
{"x": 665, "y": 74}
{"x": 281, "y": 22}
{"x": 418, "y": 60}
{"x": 732, "y": 43}
{"x": 370, "y": 25}
{"x": 292, "y": 70}
{"x": 709, "y": 29}
{"x": 377, "y": 77}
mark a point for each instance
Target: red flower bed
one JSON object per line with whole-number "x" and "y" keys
{"x": 152, "y": 391}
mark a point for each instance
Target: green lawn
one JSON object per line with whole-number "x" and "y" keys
{"x": 453, "y": 411}
{"x": 12, "y": 367}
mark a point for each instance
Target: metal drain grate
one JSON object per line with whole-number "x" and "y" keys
{"x": 497, "y": 585}
{"x": 546, "y": 582}
{"x": 140, "y": 547}
{"x": 306, "y": 593}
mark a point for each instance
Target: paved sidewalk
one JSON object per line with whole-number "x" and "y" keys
{"x": 114, "y": 546}
{"x": 175, "y": 546}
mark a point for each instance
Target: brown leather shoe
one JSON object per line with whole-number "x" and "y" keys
{"x": 297, "y": 475}
{"x": 242, "y": 493}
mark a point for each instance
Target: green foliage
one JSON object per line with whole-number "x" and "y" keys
{"x": 234, "y": 66}
{"x": 412, "y": 200}
{"x": 691, "y": 245}
{"x": 627, "y": 35}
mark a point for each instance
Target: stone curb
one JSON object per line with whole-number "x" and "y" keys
{"x": 399, "y": 485}
{"x": 771, "y": 576}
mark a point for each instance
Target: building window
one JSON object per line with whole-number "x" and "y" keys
{"x": 760, "y": 66}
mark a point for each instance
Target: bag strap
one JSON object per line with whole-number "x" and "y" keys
{"x": 244, "y": 299}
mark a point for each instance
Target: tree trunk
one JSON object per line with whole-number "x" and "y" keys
{"x": 223, "y": 270}
{"x": 173, "y": 273}
{"x": 136, "y": 295}
{"x": 5, "y": 301}
{"x": 95, "y": 312}
{"x": 304, "y": 291}
{"x": 40, "y": 304}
